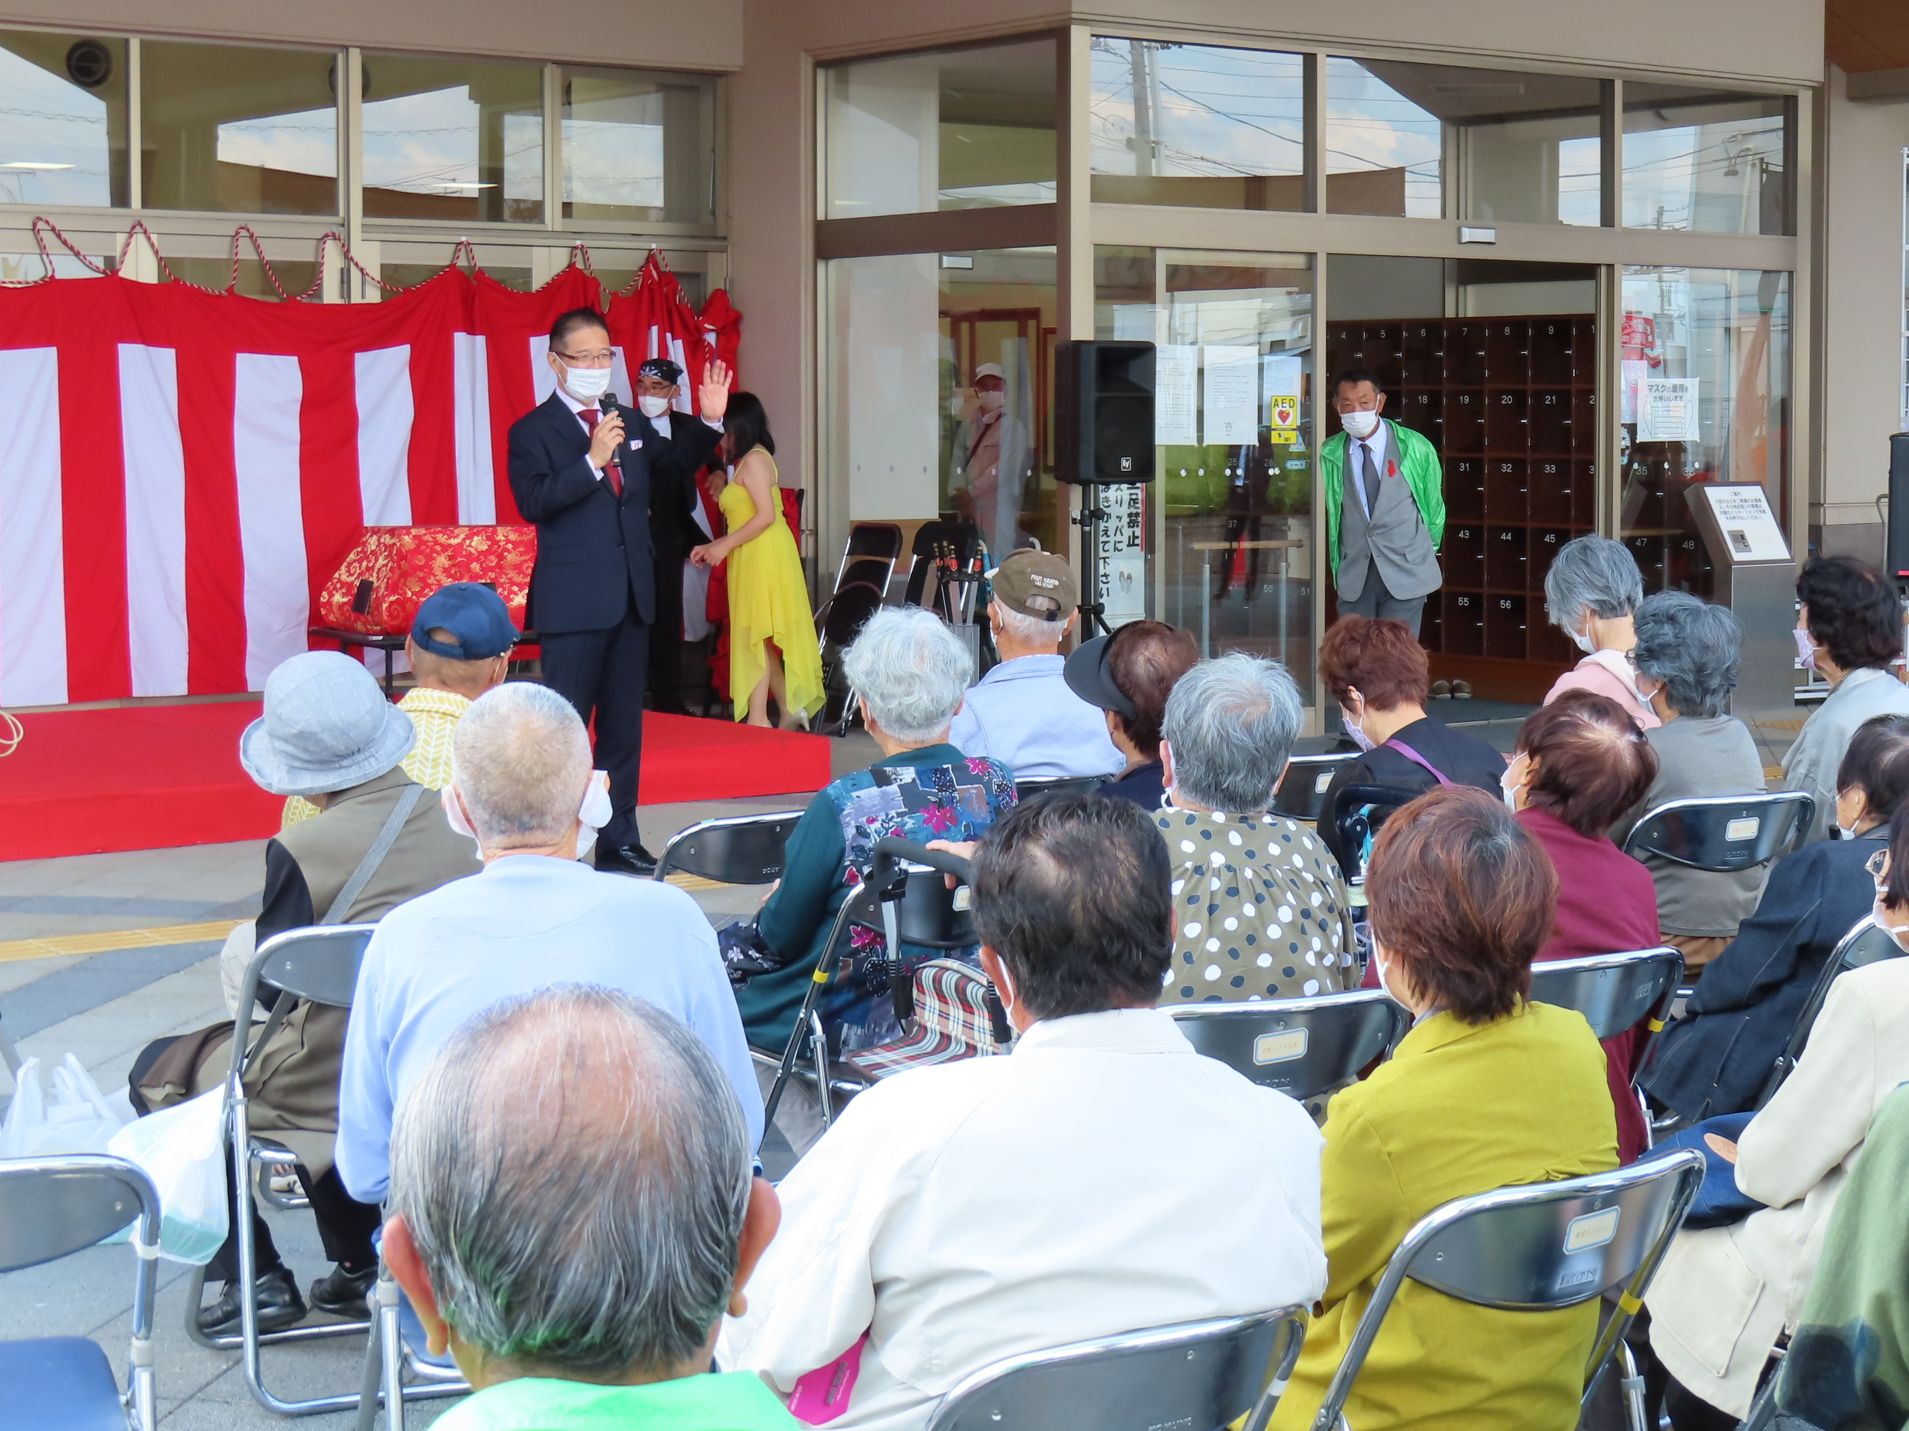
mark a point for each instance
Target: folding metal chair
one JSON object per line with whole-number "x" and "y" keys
{"x": 905, "y": 895}
{"x": 51, "y": 1208}
{"x": 1614, "y": 992}
{"x": 1302, "y": 793}
{"x": 869, "y": 556}
{"x": 736, "y": 849}
{"x": 1057, "y": 785}
{"x": 1199, "y": 1376}
{"x": 1538, "y": 1249}
{"x": 1724, "y": 833}
{"x": 318, "y": 965}
{"x": 1866, "y": 943}
{"x": 837, "y": 623}
{"x": 397, "y": 1349}
{"x": 1302, "y": 1047}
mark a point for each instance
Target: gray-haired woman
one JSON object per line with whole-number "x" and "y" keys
{"x": 1592, "y": 593}
{"x": 1687, "y": 655}
{"x": 909, "y": 673}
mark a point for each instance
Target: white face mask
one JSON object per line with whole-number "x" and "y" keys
{"x": 1381, "y": 964}
{"x": 1509, "y": 788}
{"x": 652, "y": 406}
{"x": 1844, "y": 832}
{"x": 1806, "y": 650}
{"x": 993, "y": 402}
{"x": 1360, "y": 422}
{"x": 1355, "y": 730}
{"x": 593, "y": 814}
{"x": 586, "y": 384}
{"x": 1582, "y": 640}
{"x": 454, "y": 815}
{"x": 1878, "y": 913}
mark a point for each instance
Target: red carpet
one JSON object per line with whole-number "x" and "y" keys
{"x": 151, "y": 777}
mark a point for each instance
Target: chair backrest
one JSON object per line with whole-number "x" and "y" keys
{"x": 1362, "y": 810}
{"x": 1302, "y": 793}
{"x": 318, "y": 964}
{"x": 1534, "y": 1249}
{"x": 1866, "y": 943}
{"x": 51, "y": 1207}
{"x": 1724, "y": 832}
{"x": 1302, "y": 1047}
{"x": 1057, "y": 785}
{"x": 1199, "y": 1376}
{"x": 736, "y": 849}
{"x": 881, "y": 540}
{"x": 1613, "y": 991}
{"x": 846, "y": 612}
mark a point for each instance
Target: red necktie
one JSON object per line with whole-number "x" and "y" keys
{"x": 591, "y": 417}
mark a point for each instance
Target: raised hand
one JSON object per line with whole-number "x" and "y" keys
{"x": 712, "y": 396}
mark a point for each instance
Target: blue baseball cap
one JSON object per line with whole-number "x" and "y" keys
{"x": 474, "y": 615}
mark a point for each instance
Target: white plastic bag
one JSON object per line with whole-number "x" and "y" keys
{"x": 70, "y": 1116}
{"x": 182, "y": 1149}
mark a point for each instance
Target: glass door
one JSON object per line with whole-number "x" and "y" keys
{"x": 1228, "y": 520}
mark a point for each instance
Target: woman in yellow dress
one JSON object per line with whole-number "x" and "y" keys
{"x": 772, "y": 645}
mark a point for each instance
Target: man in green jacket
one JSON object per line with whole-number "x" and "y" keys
{"x": 1384, "y": 537}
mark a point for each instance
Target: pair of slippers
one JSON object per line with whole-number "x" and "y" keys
{"x": 1454, "y": 690}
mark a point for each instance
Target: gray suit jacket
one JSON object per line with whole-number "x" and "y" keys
{"x": 1393, "y": 537}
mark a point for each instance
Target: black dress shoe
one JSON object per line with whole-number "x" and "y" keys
{"x": 279, "y": 1306}
{"x": 343, "y": 1293}
{"x": 626, "y": 859}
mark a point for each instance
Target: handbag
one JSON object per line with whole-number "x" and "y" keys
{"x": 58, "y": 1116}
{"x": 182, "y": 1149}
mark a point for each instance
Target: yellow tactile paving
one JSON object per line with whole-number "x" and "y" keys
{"x": 66, "y": 946}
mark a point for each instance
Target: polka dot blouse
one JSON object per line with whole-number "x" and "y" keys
{"x": 1259, "y": 910}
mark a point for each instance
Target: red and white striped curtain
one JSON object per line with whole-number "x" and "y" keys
{"x": 180, "y": 470}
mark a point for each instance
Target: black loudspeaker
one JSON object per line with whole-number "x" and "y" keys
{"x": 1899, "y": 506}
{"x": 1103, "y": 404}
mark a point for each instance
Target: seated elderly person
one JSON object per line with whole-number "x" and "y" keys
{"x": 1022, "y": 713}
{"x": 1578, "y": 764}
{"x": 1725, "y": 1295}
{"x": 1487, "y": 1090}
{"x": 1592, "y": 592}
{"x": 1128, "y": 675}
{"x": 328, "y": 734}
{"x": 522, "y": 787}
{"x": 908, "y": 671}
{"x": 1849, "y": 629}
{"x": 1259, "y": 910}
{"x": 1687, "y": 659}
{"x": 970, "y": 1211}
{"x": 572, "y": 1212}
{"x": 1377, "y": 674}
{"x": 1717, "y": 1057}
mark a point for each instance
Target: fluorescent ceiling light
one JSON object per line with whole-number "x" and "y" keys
{"x": 35, "y": 165}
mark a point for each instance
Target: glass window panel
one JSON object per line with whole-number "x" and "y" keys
{"x": 294, "y": 275}
{"x": 1383, "y": 148}
{"x": 638, "y": 146}
{"x": 457, "y": 140}
{"x": 1197, "y": 125}
{"x": 410, "y": 275}
{"x": 959, "y": 129}
{"x": 1697, "y": 159}
{"x": 20, "y": 261}
{"x": 237, "y": 129}
{"x": 62, "y": 120}
{"x": 1229, "y": 514}
{"x": 1725, "y": 335}
{"x": 901, "y": 411}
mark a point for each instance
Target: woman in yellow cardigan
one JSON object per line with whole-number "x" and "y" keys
{"x": 1484, "y": 1092}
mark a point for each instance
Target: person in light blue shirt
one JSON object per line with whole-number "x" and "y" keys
{"x": 1022, "y": 713}
{"x": 535, "y": 916}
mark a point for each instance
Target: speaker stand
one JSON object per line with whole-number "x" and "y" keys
{"x": 1093, "y": 614}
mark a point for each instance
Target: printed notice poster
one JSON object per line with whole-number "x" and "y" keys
{"x": 1749, "y": 527}
{"x": 1121, "y": 548}
{"x": 1279, "y": 389}
{"x": 1176, "y": 382}
{"x": 1667, "y": 410}
{"x": 1232, "y": 396}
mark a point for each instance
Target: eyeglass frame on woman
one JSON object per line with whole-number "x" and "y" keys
{"x": 1876, "y": 864}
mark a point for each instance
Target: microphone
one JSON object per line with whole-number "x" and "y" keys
{"x": 607, "y": 404}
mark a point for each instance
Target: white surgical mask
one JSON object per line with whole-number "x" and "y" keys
{"x": 992, "y": 402}
{"x": 1582, "y": 640}
{"x": 586, "y": 384}
{"x": 1806, "y": 650}
{"x": 1381, "y": 964}
{"x": 593, "y": 814}
{"x": 454, "y": 815}
{"x": 652, "y": 406}
{"x": 1355, "y": 730}
{"x": 1509, "y": 787}
{"x": 1844, "y": 832}
{"x": 1878, "y": 913}
{"x": 1360, "y": 422}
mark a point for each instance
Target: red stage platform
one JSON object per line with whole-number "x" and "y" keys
{"x": 151, "y": 777}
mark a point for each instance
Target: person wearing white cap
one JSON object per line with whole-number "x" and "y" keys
{"x": 990, "y": 460}
{"x": 379, "y": 839}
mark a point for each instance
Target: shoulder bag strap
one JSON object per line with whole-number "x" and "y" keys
{"x": 1412, "y": 755}
{"x": 380, "y": 847}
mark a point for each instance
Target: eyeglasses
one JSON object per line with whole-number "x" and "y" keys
{"x": 602, "y": 357}
{"x": 1877, "y": 863}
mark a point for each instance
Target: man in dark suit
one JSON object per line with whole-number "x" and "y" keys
{"x": 678, "y": 446}
{"x": 585, "y": 483}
